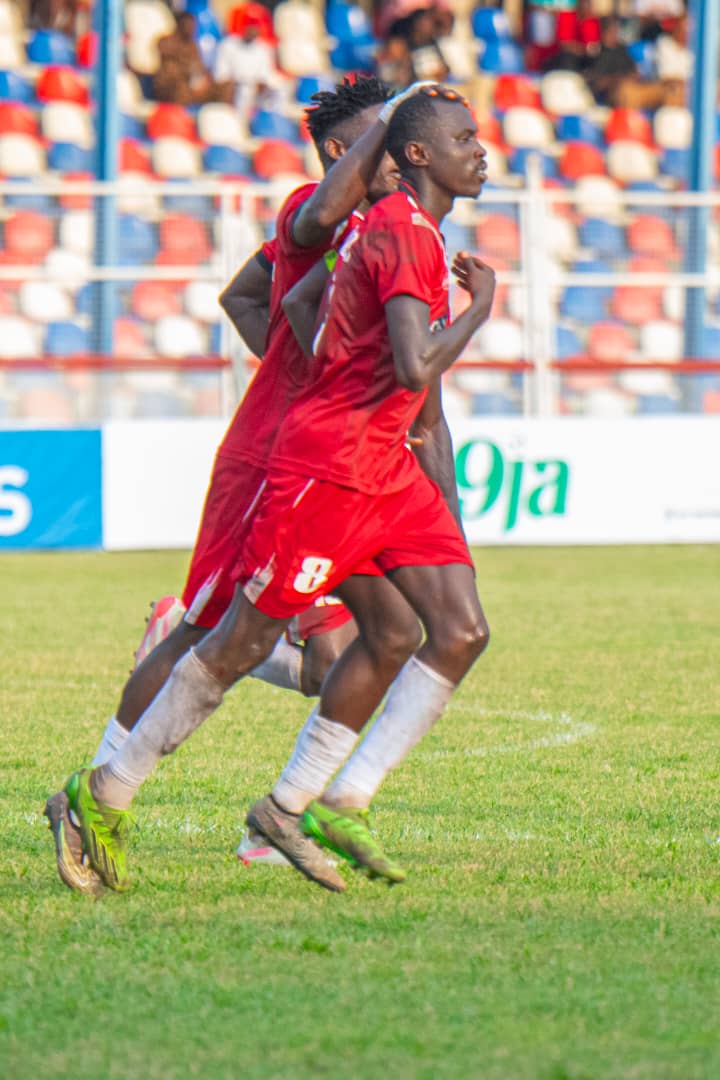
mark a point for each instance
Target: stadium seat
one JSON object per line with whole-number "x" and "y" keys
{"x": 565, "y": 93}
{"x": 153, "y": 300}
{"x": 51, "y": 47}
{"x": 17, "y": 118}
{"x": 185, "y": 237}
{"x": 43, "y": 301}
{"x": 579, "y": 129}
{"x": 584, "y": 303}
{"x": 173, "y": 157}
{"x": 76, "y": 231}
{"x": 21, "y": 156}
{"x": 710, "y": 347}
{"x": 602, "y": 237}
{"x": 599, "y": 196}
{"x": 636, "y": 304}
{"x": 631, "y": 161}
{"x": 272, "y": 125}
{"x": 675, "y": 164}
{"x": 496, "y": 162}
{"x": 644, "y": 54}
{"x": 130, "y": 95}
{"x": 512, "y": 91}
{"x": 294, "y": 20}
{"x": 61, "y": 84}
{"x": 137, "y": 242}
{"x": 581, "y": 159}
{"x": 11, "y": 18}
{"x": 145, "y": 22}
{"x": 629, "y": 125}
{"x": 67, "y": 157}
{"x": 227, "y": 160}
{"x": 656, "y": 404}
{"x": 134, "y": 156}
{"x": 67, "y": 122}
{"x": 276, "y": 156}
{"x": 308, "y": 85}
{"x": 70, "y": 267}
{"x": 171, "y": 120}
{"x": 673, "y": 127}
{"x": 136, "y": 197}
{"x": 606, "y": 403}
{"x": 520, "y": 157}
{"x": 12, "y": 51}
{"x": 186, "y": 201}
{"x": 128, "y": 339}
{"x": 490, "y": 24}
{"x": 177, "y": 336}
{"x": 567, "y": 343}
{"x": 501, "y": 57}
{"x": 560, "y": 237}
{"x": 87, "y": 49}
{"x": 221, "y": 125}
{"x": 609, "y": 341}
{"x": 501, "y": 339}
{"x": 662, "y": 340}
{"x": 66, "y": 338}
{"x": 29, "y": 234}
{"x": 8, "y": 300}
{"x": 499, "y": 236}
{"x": 131, "y": 127}
{"x": 201, "y": 301}
{"x": 46, "y": 405}
{"x": 14, "y": 87}
{"x": 648, "y": 235}
{"x": 304, "y": 57}
{"x": 18, "y": 339}
{"x": 526, "y": 127}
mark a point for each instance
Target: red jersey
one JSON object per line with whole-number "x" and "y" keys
{"x": 350, "y": 425}
{"x": 284, "y": 370}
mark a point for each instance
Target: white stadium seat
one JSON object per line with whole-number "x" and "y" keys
{"x": 135, "y": 198}
{"x": 69, "y": 267}
{"x": 296, "y": 21}
{"x": 21, "y": 155}
{"x": 222, "y": 125}
{"x": 45, "y": 301}
{"x": 174, "y": 157}
{"x": 12, "y": 51}
{"x": 19, "y": 339}
{"x": 631, "y": 162}
{"x": 303, "y": 56}
{"x": 599, "y": 196}
{"x": 662, "y": 340}
{"x": 565, "y": 93}
{"x": 501, "y": 339}
{"x": 673, "y": 127}
{"x": 523, "y": 126}
{"x": 77, "y": 231}
{"x": 201, "y": 301}
{"x": 177, "y": 336}
{"x": 64, "y": 121}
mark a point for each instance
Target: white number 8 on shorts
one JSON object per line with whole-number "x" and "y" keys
{"x": 314, "y": 573}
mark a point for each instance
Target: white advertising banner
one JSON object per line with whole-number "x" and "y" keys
{"x": 555, "y": 481}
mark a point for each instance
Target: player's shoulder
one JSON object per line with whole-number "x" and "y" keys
{"x": 400, "y": 213}
{"x": 392, "y": 209}
{"x": 296, "y": 198}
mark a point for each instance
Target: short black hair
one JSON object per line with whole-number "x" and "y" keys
{"x": 413, "y": 120}
{"x": 345, "y": 102}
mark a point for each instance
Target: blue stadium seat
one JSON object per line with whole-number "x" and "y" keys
{"x": 502, "y": 57}
{"x": 195, "y": 6}
{"x": 579, "y": 129}
{"x": 603, "y": 237}
{"x": 675, "y": 163}
{"x": 68, "y": 157}
{"x": 225, "y": 159}
{"x": 14, "y": 87}
{"x": 51, "y": 47}
{"x": 347, "y": 22}
{"x": 494, "y": 404}
{"x": 517, "y": 162}
{"x": 567, "y": 343}
{"x": 137, "y": 242}
{"x": 656, "y": 404}
{"x": 86, "y": 298}
{"x": 644, "y": 54}
{"x": 215, "y": 342}
{"x": 272, "y": 125}
{"x": 199, "y": 206}
{"x": 490, "y": 24}
{"x": 586, "y": 304}
{"x": 66, "y": 338}
{"x": 458, "y": 237}
{"x": 710, "y": 347}
{"x": 42, "y": 204}
{"x": 307, "y": 85}
{"x": 131, "y": 127}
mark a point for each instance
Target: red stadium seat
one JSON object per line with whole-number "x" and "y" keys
{"x": 152, "y": 300}
{"x": 87, "y": 49}
{"x": 647, "y": 264}
{"x": 17, "y": 119}
{"x": 73, "y": 200}
{"x": 489, "y": 130}
{"x": 609, "y": 341}
{"x": 636, "y": 304}
{"x": 581, "y": 159}
{"x": 499, "y": 236}
{"x": 29, "y": 234}
{"x": 276, "y": 156}
{"x": 134, "y": 157}
{"x": 512, "y": 90}
{"x": 711, "y": 401}
{"x": 17, "y": 258}
{"x": 8, "y": 305}
{"x": 168, "y": 119}
{"x": 129, "y": 340}
{"x": 649, "y": 235}
{"x": 184, "y": 236}
{"x": 61, "y": 84}
{"x": 630, "y": 125}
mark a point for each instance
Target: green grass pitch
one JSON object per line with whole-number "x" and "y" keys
{"x": 561, "y": 918}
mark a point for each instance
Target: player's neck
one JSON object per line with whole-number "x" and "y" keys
{"x": 434, "y": 200}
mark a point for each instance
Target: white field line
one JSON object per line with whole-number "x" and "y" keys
{"x": 568, "y": 731}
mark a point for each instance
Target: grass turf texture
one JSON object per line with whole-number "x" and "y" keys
{"x": 561, "y": 915}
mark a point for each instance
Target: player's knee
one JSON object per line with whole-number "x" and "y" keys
{"x": 464, "y": 638}
{"x": 396, "y": 641}
{"x": 317, "y": 661}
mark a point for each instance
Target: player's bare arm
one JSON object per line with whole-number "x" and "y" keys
{"x": 302, "y": 302}
{"x": 421, "y": 354}
{"x": 246, "y": 301}
{"x": 433, "y": 447}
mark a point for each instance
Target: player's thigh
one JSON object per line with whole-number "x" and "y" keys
{"x": 444, "y": 597}
{"x": 244, "y": 637}
{"x": 384, "y": 617}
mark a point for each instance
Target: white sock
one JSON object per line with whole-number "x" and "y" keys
{"x": 283, "y": 666}
{"x": 320, "y": 750}
{"x": 417, "y": 698}
{"x": 188, "y": 697}
{"x": 114, "y": 736}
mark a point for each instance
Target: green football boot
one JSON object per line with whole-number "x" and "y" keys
{"x": 346, "y": 831}
{"x": 72, "y": 863}
{"x": 104, "y": 831}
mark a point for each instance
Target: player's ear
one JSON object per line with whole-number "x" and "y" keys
{"x": 416, "y": 154}
{"x": 334, "y": 148}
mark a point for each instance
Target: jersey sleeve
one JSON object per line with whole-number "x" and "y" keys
{"x": 269, "y": 251}
{"x": 405, "y": 259}
{"x": 286, "y": 245}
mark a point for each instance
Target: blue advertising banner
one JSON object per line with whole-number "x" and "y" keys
{"x": 50, "y": 489}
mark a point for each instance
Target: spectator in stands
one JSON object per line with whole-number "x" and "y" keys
{"x": 578, "y": 35}
{"x": 61, "y": 15}
{"x": 182, "y": 76}
{"x": 412, "y": 51}
{"x": 249, "y": 62}
{"x": 614, "y": 79}
{"x": 673, "y": 57}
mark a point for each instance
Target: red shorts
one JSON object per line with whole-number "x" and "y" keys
{"x": 229, "y": 504}
{"x": 307, "y": 536}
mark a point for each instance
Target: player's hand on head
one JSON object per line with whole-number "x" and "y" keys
{"x": 390, "y": 106}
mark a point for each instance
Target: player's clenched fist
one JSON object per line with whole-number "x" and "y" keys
{"x": 476, "y": 277}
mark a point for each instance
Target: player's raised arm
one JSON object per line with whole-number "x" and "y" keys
{"x": 346, "y": 184}
{"x": 302, "y": 302}
{"x": 246, "y": 301}
{"x": 434, "y": 448}
{"x": 420, "y": 353}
